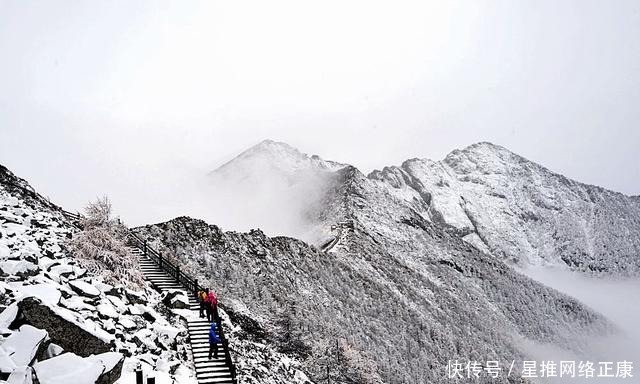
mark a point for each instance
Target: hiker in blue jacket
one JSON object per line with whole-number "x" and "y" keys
{"x": 213, "y": 340}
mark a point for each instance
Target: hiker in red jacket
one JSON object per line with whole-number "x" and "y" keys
{"x": 212, "y": 307}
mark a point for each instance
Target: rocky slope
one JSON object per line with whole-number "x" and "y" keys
{"x": 60, "y": 324}
{"x": 399, "y": 308}
{"x": 521, "y": 211}
{"x": 497, "y": 201}
{"x": 416, "y": 264}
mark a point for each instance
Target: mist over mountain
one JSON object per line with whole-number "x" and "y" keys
{"x": 396, "y": 273}
{"x": 411, "y": 266}
{"x": 494, "y": 199}
{"x": 272, "y": 186}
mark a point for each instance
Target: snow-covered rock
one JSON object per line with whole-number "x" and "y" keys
{"x": 419, "y": 246}
{"x": 106, "y": 310}
{"x": 175, "y": 298}
{"x": 22, "y": 345}
{"x": 520, "y": 211}
{"x": 65, "y": 329}
{"x": 88, "y": 322}
{"x": 84, "y": 288}
{"x": 67, "y": 368}
{"x": 8, "y": 316}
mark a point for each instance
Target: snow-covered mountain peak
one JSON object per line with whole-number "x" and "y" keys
{"x": 273, "y": 149}
{"x": 517, "y": 209}
{"x": 272, "y": 186}
{"x": 483, "y": 157}
{"x": 269, "y": 155}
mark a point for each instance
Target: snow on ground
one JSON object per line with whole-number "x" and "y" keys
{"x": 129, "y": 323}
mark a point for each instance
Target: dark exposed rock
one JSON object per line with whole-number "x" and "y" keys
{"x": 135, "y": 298}
{"x": 170, "y": 299}
{"x": 81, "y": 288}
{"x": 112, "y": 375}
{"x": 69, "y": 336}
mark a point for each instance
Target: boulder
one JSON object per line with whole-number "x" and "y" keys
{"x": 107, "y": 311}
{"x": 145, "y": 337}
{"x": 5, "y": 252}
{"x": 21, "y": 375}
{"x": 127, "y": 323}
{"x": 52, "y": 350}
{"x": 85, "y": 289}
{"x": 64, "y": 333}
{"x": 7, "y": 316}
{"x": 48, "y": 293}
{"x": 105, "y": 368}
{"x": 24, "y": 344}
{"x": 20, "y": 268}
{"x": 135, "y": 297}
{"x": 175, "y": 299}
{"x": 113, "y": 362}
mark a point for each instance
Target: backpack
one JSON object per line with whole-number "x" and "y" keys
{"x": 212, "y": 298}
{"x": 202, "y": 296}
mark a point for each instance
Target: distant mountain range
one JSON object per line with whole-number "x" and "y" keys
{"x": 411, "y": 266}
{"x": 496, "y": 200}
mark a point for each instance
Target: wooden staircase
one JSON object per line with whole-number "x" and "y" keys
{"x": 218, "y": 370}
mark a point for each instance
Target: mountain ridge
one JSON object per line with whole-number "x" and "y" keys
{"x": 495, "y": 199}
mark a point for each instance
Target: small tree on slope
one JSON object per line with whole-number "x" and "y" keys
{"x": 101, "y": 246}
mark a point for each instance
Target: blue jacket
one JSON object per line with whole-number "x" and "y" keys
{"x": 213, "y": 337}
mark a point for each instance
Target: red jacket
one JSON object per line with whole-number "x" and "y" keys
{"x": 212, "y": 299}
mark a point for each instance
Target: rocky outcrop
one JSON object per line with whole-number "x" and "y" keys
{"x": 45, "y": 292}
{"x": 61, "y": 331}
{"x": 105, "y": 368}
{"x": 175, "y": 299}
{"x": 111, "y": 373}
{"x": 520, "y": 211}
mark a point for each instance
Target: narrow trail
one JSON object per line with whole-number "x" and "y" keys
{"x": 342, "y": 228}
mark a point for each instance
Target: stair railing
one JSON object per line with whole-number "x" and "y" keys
{"x": 188, "y": 282}
{"x": 174, "y": 271}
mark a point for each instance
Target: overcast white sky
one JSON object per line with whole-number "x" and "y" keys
{"x": 122, "y": 98}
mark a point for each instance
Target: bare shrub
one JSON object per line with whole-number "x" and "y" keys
{"x": 101, "y": 246}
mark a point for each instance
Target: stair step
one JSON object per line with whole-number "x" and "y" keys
{"x": 214, "y": 375}
{"x": 215, "y": 381}
{"x": 212, "y": 368}
{"x": 198, "y": 323}
{"x": 200, "y": 336}
{"x": 205, "y": 348}
{"x": 211, "y": 364}
{"x": 219, "y": 369}
{"x": 205, "y": 364}
{"x": 204, "y": 357}
{"x": 213, "y": 372}
{"x": 164, "y": 282}
{"x": 208, "y": 371}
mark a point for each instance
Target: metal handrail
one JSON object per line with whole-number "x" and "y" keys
{"x": 173, "y": 270}
{"x": 191, "y": 284}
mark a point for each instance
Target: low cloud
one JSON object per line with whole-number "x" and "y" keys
{"x": 616, "y": 299}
